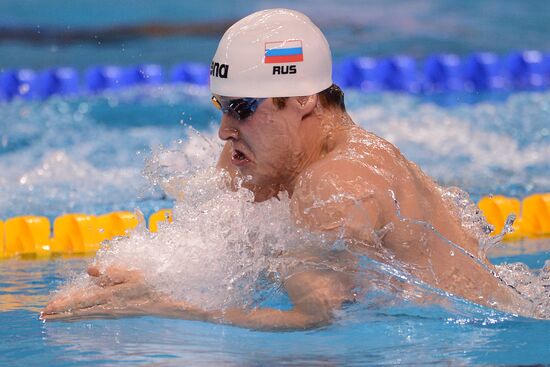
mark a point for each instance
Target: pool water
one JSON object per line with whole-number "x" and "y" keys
{"x": 69, "y": 158}
{"x": 362, "y": 335}
{"x": 66, "y": 155}
{"x": 352, "y": 27}
{"x": 88, "y": 153}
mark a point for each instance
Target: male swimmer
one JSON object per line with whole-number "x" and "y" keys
{"x": 286, "y": 132}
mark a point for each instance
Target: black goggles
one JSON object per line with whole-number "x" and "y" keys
{"x": 240, "y": 108}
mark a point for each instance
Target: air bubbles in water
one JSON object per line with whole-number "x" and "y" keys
{"x": 533, "y": 284}
{"x": 218, "y": 248}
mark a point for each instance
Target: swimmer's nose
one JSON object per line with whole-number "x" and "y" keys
{"x": 228, "y": 128}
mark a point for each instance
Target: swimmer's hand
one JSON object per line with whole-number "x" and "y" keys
{"x": 118, "y": 292}
{"x": 111, "y": 293}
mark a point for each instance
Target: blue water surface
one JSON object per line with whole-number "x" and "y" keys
{"x": 361, "y": 335}
{"x": 353, "y": 27}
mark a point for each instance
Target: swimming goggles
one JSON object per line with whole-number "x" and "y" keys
{"x": 240, "y": 108}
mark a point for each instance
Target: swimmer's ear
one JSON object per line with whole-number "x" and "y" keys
{"x": 306, "y": 104}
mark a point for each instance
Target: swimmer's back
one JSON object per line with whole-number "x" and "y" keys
{"x": 367, "y": 178}
{"x": 365, "y": 164}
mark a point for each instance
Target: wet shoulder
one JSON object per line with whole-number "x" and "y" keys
{"x": 360, "y": 165}
{"x": 367, "y": 157}
{"x": 363, "y": 170}
{"x": 333, "y": 188}
{"x": 373, "y": 150}
{"x": 335, "y": 175}
{"x": 334, "y": 196}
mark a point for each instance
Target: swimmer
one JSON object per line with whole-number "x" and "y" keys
{"x": 286, "y": 132}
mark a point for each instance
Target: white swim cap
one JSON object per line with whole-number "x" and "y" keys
{"x": 271, "y": 53}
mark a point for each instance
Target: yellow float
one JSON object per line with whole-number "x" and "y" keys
{"x": 82, "y": 234}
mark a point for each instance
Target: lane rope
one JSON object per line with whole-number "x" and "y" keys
{"x": 527, "y": 70}
{"x": 34, "y": 236}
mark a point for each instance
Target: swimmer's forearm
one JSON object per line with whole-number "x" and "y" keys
{"x": 272, "y": 319}
{"x": 259, "y": 318}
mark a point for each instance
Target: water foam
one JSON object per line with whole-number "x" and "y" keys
{"x": 533, "y": 284}
{"x": 219, "y": 247}
{"x": 495, "y": 147}
{"x": 85, "y": 155}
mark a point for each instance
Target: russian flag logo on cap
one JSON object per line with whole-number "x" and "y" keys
{"x": 283, "y": 51}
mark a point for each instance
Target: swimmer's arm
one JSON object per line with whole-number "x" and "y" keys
{"x": 314, "y": 294}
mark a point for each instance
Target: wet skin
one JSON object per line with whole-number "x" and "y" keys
{"x": 343, "y": 182}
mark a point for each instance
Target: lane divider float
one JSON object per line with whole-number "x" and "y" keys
{"x": 83, "y": 234}
{"x": 73, "y": 234}
{"x": 482, "y": 71}
{"x": 532, "y": 215}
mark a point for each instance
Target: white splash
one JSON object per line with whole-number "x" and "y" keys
{"x": 218, "y": 248}
{"x": 533, "y": 284}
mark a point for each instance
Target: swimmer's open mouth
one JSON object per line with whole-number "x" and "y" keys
{"x": 239, "y": 157}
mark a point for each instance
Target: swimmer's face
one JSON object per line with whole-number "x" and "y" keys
{"x": 268, "y": 145}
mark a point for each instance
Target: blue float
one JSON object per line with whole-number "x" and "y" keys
{"x": 9, "y": 85}
{"x": 61, "y": 81}
{"x": 106, "y": 77}
{"x": 141, "y": 74}
{"x": 117, "y": 77}
{"x": 150, "y": 73}
{"x": 520, "y": 70}
{"x": 125, "y": 77}
{"x": 360, "y": 73}
{"x": 398, "y": 74}
{"x": 525, "y": 69}
{"x": 69, "y": 80}
{"x": 46, "y": 84}
{"x": 340, "y": 74}
{"x": 442, "y": 73}
{"x": 546, "y": 69}
{"x": 482, "y": 71}
{"x": 192, "y": 73}
{"x": 352, "y": 72}
{"x": 95, "y": 80}
{"x": 26, "y": 83}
